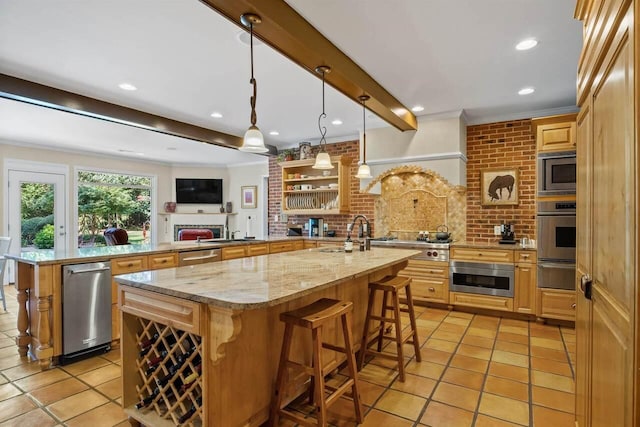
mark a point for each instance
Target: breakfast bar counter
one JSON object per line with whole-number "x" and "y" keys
{"x": 223, "y": 319}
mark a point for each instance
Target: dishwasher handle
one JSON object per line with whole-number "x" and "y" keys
{"x": 78, "y": 269}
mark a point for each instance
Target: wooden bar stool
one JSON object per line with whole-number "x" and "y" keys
{"x": 315, "y": 316}
{"x": 390, "y": 285}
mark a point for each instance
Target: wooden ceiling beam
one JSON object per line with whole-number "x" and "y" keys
{"x": 286, "y": 31}
{"x": 47, "y": 96}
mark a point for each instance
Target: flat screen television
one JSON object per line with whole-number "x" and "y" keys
{"x": 199, "y": 190}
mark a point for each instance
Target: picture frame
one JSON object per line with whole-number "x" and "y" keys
{"x": 499, "y": 187}
{"x": 249, "y": 197}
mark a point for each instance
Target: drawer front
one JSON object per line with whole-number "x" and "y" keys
{"x": 275, "y": 248}
{"x": 529, "y": 257}
{"x": 298, "y": 245}
{"x": 481, "y": 301}
{"x": 253, "y": 250}
{"x": 163, "y": 261}
{"x": 557, "y": 304}
{"x": 436, "y": 290}
{"x": 309, "y": 244}
{"x": 234, "y": 252}
{"x": 419, "y": 268}
{"x": 128, "y": 265}
{"x": 176, "y": 312}
{"x": 482, "y": 255}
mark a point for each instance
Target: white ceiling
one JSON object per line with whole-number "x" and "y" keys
{"x": 187, "y": 62}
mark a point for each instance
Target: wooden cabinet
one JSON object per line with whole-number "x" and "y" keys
{"x": 556, "y": 304}
{"x": 159, "y": 261}
{"x": 504, "y": 256}
{"x": 258, "y": 249}
{"x": 277, "y": 247}
{"x": 309, "y": 191}
{"x": 330, "y": 244}
{"x": 430, "y": 280}
{"x": 308, "y": 244}
{"x": 555, "y": 133}
{"x": 607, "y": 338}
{"x": 525, "y": 286}
{"x": 481, "y": 301}
{"x": 234, "y": 252}
{"x": 126, "y": 265}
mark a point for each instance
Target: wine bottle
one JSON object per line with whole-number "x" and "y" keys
{"x": 190, "y": 379}
{"x": 154, "y": 362}
{"x": 191, "y": 411}
{"x": 146, "y": 343}
{"x": 167, "y": 393}
{"x": 169, "y": 340}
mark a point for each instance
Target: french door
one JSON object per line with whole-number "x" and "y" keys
{"x": 47, "y": 191}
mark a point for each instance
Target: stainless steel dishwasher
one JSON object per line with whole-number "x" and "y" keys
{"x": 86, "y": 310}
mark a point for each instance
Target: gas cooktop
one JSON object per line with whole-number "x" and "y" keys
{"x": 419, "y": 244}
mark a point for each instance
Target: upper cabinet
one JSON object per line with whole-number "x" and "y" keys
{"x": 555, "y": 133}
{"x": 311, "y": 191}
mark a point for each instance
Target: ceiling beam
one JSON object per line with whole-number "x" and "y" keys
{"x": 46, "y": 96}
{"x": 290, "y": 34}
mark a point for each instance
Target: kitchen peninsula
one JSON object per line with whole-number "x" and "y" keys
{"x": 223, "y": 319}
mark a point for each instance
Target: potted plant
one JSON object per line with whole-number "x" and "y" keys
{"x": 285, "y": 155}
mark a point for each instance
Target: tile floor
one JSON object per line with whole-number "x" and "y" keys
{"x": 475, "y": 371}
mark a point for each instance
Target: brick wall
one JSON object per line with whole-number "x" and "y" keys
{"x": 360, "y": 203}
{"x": 496, "y": 145}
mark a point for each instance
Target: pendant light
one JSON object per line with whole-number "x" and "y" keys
{"x": 364, "y": 171}
{"x": 323, "y": 161}
{"x": 253, "y": 141}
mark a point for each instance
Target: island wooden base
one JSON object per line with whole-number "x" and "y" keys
{"x": 241, "y": 348}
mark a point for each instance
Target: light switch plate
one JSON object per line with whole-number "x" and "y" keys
{"x": 496, "y": 230}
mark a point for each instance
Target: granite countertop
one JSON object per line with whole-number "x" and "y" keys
{"x": 268, "y": 280}
{"x": 101, "y": 253}
{"x": 495, "y": 245}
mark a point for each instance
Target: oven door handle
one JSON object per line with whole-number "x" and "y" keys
{"x": 556, "y": 265}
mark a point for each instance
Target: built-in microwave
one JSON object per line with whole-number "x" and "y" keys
{"x": 557, "y": 173}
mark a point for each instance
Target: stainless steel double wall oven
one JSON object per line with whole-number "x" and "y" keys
{"x": 557, "y": 244}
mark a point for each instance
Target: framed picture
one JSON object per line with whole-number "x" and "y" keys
{"x": 499, "y": 187}
{"x": 249, "y": 197}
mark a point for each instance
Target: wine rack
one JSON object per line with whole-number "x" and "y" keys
{"x": 169, "y": 366}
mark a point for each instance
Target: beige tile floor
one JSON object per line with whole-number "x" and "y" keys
{"x": 476, "y": 371}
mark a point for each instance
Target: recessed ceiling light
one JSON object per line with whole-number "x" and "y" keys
{"x": 336, "y": 122}
{"x": 526, "y": 91}
{"x": 127, "y": 86}
{"x": 216, "y": 115}
{"x": 274, "y": 133}
{"x": 171, "y": 148}
{"x": 417, "y": 108}
{"x": 527, "y": 44}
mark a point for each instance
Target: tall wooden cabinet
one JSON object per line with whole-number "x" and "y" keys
{"x": 607, "y": 376}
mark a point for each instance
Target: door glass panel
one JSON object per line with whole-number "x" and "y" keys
{"x": 37, "y": 228}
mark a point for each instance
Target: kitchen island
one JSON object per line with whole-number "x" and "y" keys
{"x": 222, "y": 320}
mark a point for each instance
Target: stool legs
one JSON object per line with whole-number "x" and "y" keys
{"x": 318, "y": 377}
{"x": 365, "y": 335}
{"x": 398, "y": 338}
{"x": 351, "y": 363}
{"x": 282, "y": 373}
{"x": 383, "y": 315}
{"x": 414, "y": 325}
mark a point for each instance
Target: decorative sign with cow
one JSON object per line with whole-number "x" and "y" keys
{"x": 499, "y": 187}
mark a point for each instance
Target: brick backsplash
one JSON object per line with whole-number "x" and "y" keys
{"x": 489, "y": 146}
{"x": 360, "y": 203}
{"x": 496, "y": 145}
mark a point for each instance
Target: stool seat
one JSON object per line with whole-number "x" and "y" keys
{"x": 390, "y": 286}
{"x": 314, "y": 317}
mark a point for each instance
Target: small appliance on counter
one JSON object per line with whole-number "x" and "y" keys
{"x": 294, "y": 230}
{"x": 507, "y": 233}
{"x": 316, "y": 227}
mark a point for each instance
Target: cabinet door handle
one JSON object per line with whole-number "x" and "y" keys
{"x": 432, "y": 289}
{"x": 586, "y": 284}
{"x": 573, "y": 306}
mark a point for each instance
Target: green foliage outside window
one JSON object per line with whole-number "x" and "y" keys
{"x": 44, "y": 238}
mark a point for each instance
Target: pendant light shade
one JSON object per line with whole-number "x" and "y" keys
{"x": 253, "y": 141}
{"x": 364, "y": 171}
{"x": 323, "y": 160}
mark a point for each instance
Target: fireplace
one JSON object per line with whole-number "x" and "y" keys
{"x": 216, "y": 229}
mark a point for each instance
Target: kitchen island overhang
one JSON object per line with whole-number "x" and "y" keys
{"x": 232, "y": 308}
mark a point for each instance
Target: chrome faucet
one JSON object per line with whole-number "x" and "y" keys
{"x": 366, "y": 231}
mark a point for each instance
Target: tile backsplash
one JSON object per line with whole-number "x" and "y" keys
{"x": 414, "y": 199}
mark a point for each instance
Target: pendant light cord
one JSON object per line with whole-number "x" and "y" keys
{"x": 322, "y": 129}
{"x": 364, "y": 134}
{"x": 254, "y": 118}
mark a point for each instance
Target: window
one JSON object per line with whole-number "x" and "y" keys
{"x": 113, "y": 200}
